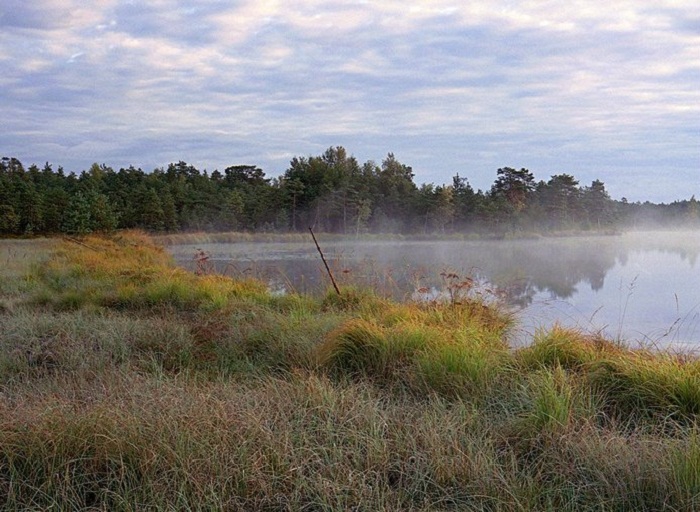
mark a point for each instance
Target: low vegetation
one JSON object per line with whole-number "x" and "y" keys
{"x": 130, "y": 384}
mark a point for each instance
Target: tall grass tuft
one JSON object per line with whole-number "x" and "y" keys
{"x": 356, "y": 300}
{"x": 685, "y": 469}
{"x": 458, "y": 370}
{"x": 357, "y": 347}
{"x": 550, "y": 394}
{"x": 564, "y": 347}
{"x": 642, "y": 384}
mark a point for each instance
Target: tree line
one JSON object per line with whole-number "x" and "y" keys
{"x": 331, "y": 192}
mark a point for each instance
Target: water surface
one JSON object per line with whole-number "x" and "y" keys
{"x": 641, "y": 287}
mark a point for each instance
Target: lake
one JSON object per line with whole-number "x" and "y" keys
{"x": 640, "y": 287}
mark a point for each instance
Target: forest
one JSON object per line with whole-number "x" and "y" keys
{"x": 331, "y": 192}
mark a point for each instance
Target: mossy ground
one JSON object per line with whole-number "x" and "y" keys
{"x": 130, "y": 384}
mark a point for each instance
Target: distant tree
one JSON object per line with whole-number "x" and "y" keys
{"x": 330, "y": 191}
{"x": 254, "y": 192}
{"x": 170, "y": 222}
{"x": 94, "y": 178}
{"x": 237, "y": 176}
{"x": 465, "y": 201}
{"x": 88, "y": 211}
{"x": 338, "y": 204}
{"x": 9, "y": 220}
{"x": 151, "y": 215}
{"x": 78, "y": 220}
{"x": 323, "y": 191}
{"x": 692, "y": 213}
{"x": 514, "y": 186}
{"x": 511, "y": 193}
{"x": 396, "y": 193}
{"x": 308, "y": 176}
{"x": 425, "y": 204}
{"x": 232, "y": 210}
{"x": 55, "y": 208}
{"x": 437, "y": 207}
{"x": 444, "y": 208}
{"x": 292, "y": 190}
{"x": 364, "y": 212}
{"x": 560, "y": 200}
{"x": 102, "y": 216}
{"x": 30, "y": 207}
{"x": 126, "y": 190}
{"x": 597, "y": 204}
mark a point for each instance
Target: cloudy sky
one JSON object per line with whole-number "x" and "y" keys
{"x": 605, "y": 90}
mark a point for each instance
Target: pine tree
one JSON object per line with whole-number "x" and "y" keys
{"x": 102, "y": 216}
{"x": 78, "y": 219}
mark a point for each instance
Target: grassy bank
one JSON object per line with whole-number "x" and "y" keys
{"x": 130, "y": 384}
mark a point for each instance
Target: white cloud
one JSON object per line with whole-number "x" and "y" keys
{"x": 541, "y": 81}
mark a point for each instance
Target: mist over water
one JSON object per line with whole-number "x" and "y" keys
{"x": 640, "y": 287}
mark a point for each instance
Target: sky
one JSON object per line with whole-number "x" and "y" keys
{"x": 606, "y": 90}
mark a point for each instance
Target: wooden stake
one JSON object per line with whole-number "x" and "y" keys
{"x": 323, "y": 258}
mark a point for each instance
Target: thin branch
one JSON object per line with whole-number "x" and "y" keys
{"x": 337, "y": 290}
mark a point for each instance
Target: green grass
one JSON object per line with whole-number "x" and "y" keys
{"x": 130, "y": 384}
{"x": 16, "y": 257}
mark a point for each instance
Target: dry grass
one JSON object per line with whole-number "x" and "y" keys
{"x": 128, "y": 384}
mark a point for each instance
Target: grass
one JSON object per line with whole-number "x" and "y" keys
{"x": 16, "y": 257}
{"x": 129, "y": 384}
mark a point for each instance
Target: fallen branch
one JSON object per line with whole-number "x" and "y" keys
{"x": 323, "y": 258}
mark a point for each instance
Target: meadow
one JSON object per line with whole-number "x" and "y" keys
{"x": 128, "y": 383}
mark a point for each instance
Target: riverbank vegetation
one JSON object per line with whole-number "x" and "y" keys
{"x": 130, "y": 384}
{"x": 332, "y": 193}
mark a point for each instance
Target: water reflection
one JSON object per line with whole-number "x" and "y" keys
{"x": 578, "y": 281}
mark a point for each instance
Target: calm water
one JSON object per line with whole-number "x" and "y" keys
{"x": 642, "y": 287}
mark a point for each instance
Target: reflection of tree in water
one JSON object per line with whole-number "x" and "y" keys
{"x": 692, "y": 257}
{"x": 685, "y": 254}
{"x": 519, "y": 293}
{"x": 558, "y": 267}
{"x": 519, "y": 269}
{"x": 685, "y": 244}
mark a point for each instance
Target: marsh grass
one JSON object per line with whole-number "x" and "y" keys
{"x": 130, "y": 273}
{"x": 16, "y": 256}
{"x": 128, "y": 384}
{"x": 651, "y": 384}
